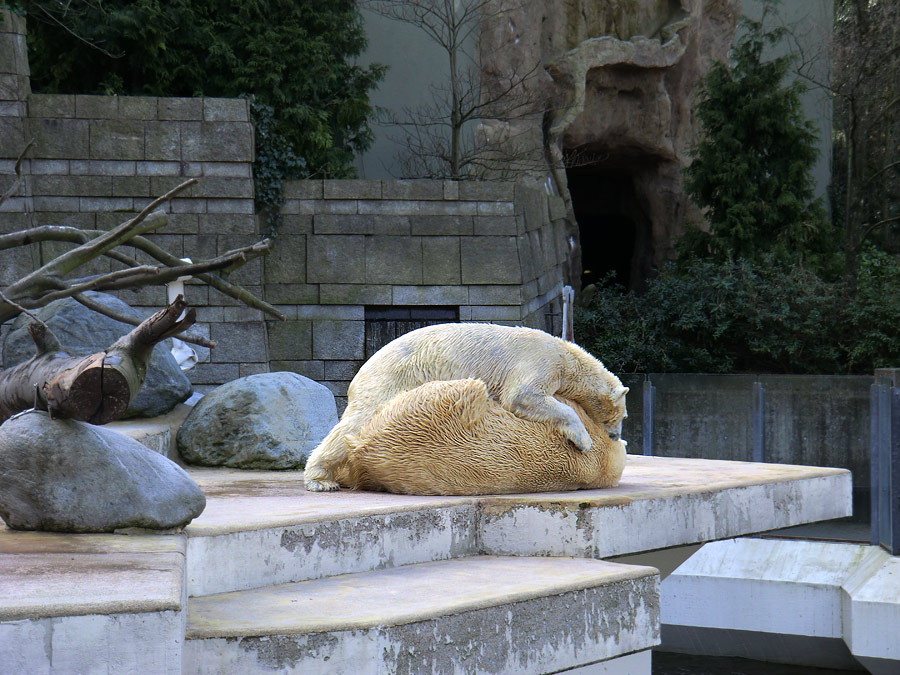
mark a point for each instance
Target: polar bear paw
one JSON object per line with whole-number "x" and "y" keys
{"x": 322, "y": 485}
{"x": 581, "y": 438}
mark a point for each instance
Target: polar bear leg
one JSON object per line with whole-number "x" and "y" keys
{"x": 531, "y": 404}
{"x": 328, "y": 456}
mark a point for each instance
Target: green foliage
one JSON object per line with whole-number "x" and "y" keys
{"x": 294, "y": 58}
{"x": 742, "y": 316}
{"x": 751, "y": 170}
{"x": 759, "y": 292}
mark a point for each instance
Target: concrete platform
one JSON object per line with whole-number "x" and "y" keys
{"x": 118, "y": 603}
{"x": 263, "y": 528}
{"x": 809, "y": 603}
{"x": 476, "y": 614}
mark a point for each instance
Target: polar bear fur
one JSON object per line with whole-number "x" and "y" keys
{"x": 521, "y": 367}
{"x": 451, "y": 438}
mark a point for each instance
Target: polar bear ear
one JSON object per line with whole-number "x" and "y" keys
{"x": 619, "y": 392}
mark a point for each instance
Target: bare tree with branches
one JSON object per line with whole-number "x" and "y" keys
{"x": 463, "y": 130}
{"x": 98, "y": 388}
{"x": 864, "y": 82}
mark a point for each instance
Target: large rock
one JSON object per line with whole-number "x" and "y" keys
{"x": 618, "y": 83}
{"x": 265, "y": 421}
{"x": 68, "y": 476}
{"x": 82, "y": 332}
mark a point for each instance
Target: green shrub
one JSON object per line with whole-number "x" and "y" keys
{"x": 752, "y": 167}
{"x": 725, "y": 317}
{"x": 295, "y": 58}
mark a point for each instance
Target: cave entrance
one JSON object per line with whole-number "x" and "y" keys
{"x": 613, "y": 226}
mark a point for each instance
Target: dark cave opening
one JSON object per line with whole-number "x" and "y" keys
{"x": 613, "y": 227}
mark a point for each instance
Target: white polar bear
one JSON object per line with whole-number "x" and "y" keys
{"x": 523, "y": 368}
{"x": 451, "y": 438}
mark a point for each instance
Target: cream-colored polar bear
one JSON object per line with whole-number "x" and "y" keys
{"x": 523, "y": 368}
{"x": 451, "y": 438}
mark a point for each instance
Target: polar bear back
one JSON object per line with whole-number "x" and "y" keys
{"x": 500, "y": 356}
{"x": 452, "y": 438}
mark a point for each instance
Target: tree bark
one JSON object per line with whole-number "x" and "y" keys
{"x": 96, "y": 388}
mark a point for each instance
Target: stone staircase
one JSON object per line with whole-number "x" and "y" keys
{"x": 273, "y": 579}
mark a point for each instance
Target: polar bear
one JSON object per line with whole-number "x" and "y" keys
{"x": 522, "y": 368}
{"x": 451, "y": 438}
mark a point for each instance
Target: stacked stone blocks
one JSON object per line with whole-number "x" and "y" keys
{"x": 490, "y": 251}
{"x": 494, "y": 251}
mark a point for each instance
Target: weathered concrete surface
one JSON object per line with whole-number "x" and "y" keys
{"x": 46, "y": 575}
{"x": 636, "y": 663}
{"x": 662, "y": 502}
{"x": 484, "y": 614}
{"x": 88, "y": 603}
{"x": 844, "y": 602}
{"x": 263, "y": 528}
{"x": 98, "y": 644}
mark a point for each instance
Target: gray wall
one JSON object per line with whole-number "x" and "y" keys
{"x": 818, "y": 420}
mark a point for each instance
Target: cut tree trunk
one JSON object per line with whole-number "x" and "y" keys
{"x": 96, "y": 388}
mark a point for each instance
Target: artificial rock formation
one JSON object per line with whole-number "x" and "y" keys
{"x": 67, "y": 476}
{"x": 264, "y": 421}
{"x": 618, "y": 85}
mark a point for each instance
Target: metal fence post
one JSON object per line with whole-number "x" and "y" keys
{"x": 759, "y": 422}
{"x": 875, "y": 396}
{"x": 649, "y": 405}
{"x": 885, "y": 440}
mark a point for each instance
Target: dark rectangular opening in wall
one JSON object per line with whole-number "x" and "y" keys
{"x": 388, "y": 322}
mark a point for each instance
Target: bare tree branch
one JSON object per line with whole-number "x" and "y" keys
{"x": 131, "y": 320}
{"x": 18, "y": 169}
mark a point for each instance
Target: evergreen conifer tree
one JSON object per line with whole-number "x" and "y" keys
{"x": 751, "y": 170}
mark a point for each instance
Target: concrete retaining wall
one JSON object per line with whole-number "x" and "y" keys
{"x": 818, "y": 420}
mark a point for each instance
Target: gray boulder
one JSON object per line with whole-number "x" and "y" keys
{"x": 82, "y": 332}
{"x": 265, "y": 421}
{"x": 68, "y": 476}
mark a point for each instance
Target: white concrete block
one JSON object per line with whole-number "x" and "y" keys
{"x": 810, "y": 603}
{"x": 872, "y": 611}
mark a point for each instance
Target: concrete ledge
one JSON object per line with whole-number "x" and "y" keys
{"x": 88, "y": 603}
{"x": 663, "y": 502}
{"x": 157, "y": 433}
{"x": 844, "y": 602}
{"x": 263, "y": 528}
{"x": 99, "y": 643}
{"x": 46, "y": 575}
{"x": 481, "y": 614}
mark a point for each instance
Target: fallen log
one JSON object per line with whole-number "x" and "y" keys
{"x": 96, "y": 388}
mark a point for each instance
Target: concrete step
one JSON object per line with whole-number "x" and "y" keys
{"x": 263, "y": 528}
{"x": 86, "y": 603}
{"x": 843, "y": 600}
{"x": 475, "y": 614}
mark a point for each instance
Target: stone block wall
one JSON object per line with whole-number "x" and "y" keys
{"x": 491, "y": 252}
